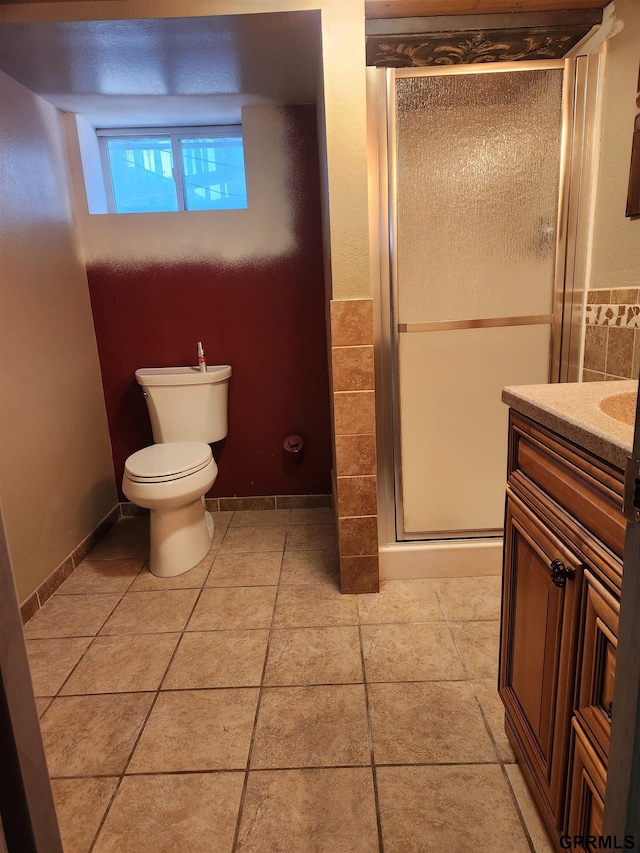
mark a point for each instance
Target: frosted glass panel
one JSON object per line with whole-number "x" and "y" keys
{"x": 478, "y": 159}
{"x": 453, "y": 425}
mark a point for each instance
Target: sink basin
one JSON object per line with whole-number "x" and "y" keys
{"x": 622, "y": 407}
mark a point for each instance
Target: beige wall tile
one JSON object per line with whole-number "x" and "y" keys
{"x": 355, "y": 455}
{"x": 624, "y": 296}
{"x": 592, "y": 376}
{"x": 352, "y": 368}
{"x": 357, "y": 496}
{"x": 598, "y": 297}
{"x": 595, "y": 347}
{"x": 351, "y": 322}
{"x": 620, "y": 352}
{"x": 358, "y": 536}
{"x": 354, "y": 412}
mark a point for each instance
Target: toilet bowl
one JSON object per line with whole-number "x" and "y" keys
{"x": 171, "y": 480}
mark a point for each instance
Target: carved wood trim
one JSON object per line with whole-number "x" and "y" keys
{"x": 472, "y": 46}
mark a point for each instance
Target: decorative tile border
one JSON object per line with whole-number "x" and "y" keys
{"x": 612, "y": 335}
{"x": 51, "y": 583}
{"x": 622, "y": 316}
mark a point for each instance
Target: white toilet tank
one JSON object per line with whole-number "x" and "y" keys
{"x": 185, "y": 404}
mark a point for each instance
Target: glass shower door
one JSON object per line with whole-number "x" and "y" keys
{"x": 476, "y": 161}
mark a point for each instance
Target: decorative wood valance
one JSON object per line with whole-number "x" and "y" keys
{"x": 472, "y": 46}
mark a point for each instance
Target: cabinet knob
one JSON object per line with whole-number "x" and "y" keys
{"x": 560, "y": 573}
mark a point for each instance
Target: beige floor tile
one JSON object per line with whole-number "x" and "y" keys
{"x": 71, "y": 616}
{"x": 257, "y": 569}
{"x": 218, "y": 659}
{"x": 414, "y": 652}
{"x": 197, "y": 730}
{"x": 300, "y": 811}
{"x": 80, "y": 806}
{"x": 479, "y": 644}
{"x": 222, "y": 519}
{"x": 194, "y": 813}
{"x": 532, "y": 819}
{"x": 129, "y": 537}
{"x": 124, "y": 663}
{"x": 260, "y": 518}
{"x": 51, "y": 661}
{"x": 306, "y": 567}
{"x": 239, "y": 540}
{"x": 152, "y": 612}
{"x": 314, "y": 656}
{"x": 311, "y": 727}
{"x": 233, "y": 608}
{"x": 470, "y": 598}
{"x": 42, "y": 703}
{"x": 314, "y": 605}
{"x": 441, "y": 809}
{"x": 312, "y": 537}
{"x": 401, "y": 601}
{"x": 193, "y": 579}
{"x": 316, "y": 515}
{"x": 428, "y": 722}
{"x": 493, "y": 710}
{"x": 92, "y": 735}
{"x": 101, "y": 576}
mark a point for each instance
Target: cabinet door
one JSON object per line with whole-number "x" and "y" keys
{"x": 586, "y": 793}
{"x": 538, "y": 651}
{"x": 597, "y": 667}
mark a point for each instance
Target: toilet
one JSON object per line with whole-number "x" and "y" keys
{"x": 188, "y": 412}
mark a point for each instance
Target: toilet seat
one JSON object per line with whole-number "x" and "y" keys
{"x": 162, "y": 463}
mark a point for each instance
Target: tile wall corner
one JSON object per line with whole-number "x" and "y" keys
{"x": 355, "y": 499}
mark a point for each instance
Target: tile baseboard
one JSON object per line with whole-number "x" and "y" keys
{"x": 258, "y": 502}
{"x": 50, "y": 584}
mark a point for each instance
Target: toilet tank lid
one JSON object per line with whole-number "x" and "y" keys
{"x": 183, "y": 375}
{"x": 166, "y": 460}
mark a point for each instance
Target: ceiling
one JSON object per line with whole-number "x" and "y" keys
{"x": 188, "y": 71}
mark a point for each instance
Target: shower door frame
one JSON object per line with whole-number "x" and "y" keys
{"x": 580, "y": 115}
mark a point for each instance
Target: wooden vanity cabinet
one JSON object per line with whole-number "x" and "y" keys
{"x": 564, "y": 538}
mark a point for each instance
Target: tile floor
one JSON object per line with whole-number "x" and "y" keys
{"x": 249, "y": 706}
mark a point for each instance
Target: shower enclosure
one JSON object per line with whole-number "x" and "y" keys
{"x": 482, "y": 214}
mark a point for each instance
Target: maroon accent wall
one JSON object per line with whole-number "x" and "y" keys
{"x": 263, "y": 317}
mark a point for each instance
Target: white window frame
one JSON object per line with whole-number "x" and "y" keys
{"x": 174, "y": 134}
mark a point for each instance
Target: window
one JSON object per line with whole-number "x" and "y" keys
{"x": 153, "y": 170}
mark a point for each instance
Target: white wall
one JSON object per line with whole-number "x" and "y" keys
{"x": 56, "y": 474}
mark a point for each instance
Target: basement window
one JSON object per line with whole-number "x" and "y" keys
{"x": 155, "y": 170}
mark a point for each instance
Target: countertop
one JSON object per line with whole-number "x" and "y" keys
{"x": 572, "y": 410}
